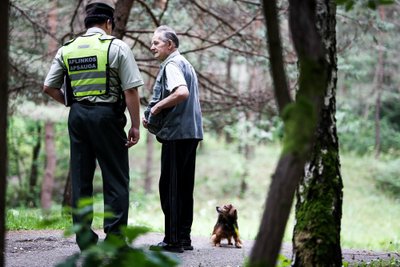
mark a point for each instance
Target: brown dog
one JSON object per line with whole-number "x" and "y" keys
{"x": 226, "y": 226}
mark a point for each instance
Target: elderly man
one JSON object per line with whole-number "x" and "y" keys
{"x": 176, "y": 107}
{"x": 102, "y": 78}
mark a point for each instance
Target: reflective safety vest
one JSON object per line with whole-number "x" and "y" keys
{"x": 86, "y": 58}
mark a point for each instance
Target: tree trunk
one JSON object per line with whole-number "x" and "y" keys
{"x": 67, "y": 196}
{"x": 148, "y": 181}
{"x": 33, "y": 177}
{"x": 316, "y": 236}
{"x": 121, "y": 15}
{"x": 3, "y": 120}
{"x": 51, "y": 161}
{"x": 378, "y": 108}
{"x": 48, "y": 180}
{"x": 300, "y": 121}
{"x": 378, "y": 87}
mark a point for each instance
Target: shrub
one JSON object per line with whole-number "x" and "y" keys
{"x": 387, "y": 177}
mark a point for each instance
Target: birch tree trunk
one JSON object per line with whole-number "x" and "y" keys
{"x": 51, "y": 161}
{"x": 316, "y": 236}
{"x": 3, "y": 119}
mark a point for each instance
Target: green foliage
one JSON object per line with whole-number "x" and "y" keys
{"x": 390, "y": 111}
{"x": 34, "y": 219}
{"x": 358, "y": 135}
{"x": 23, "y": 134}
{"x": 283, "y": 261}
{"x": 114, "y": 250}
{"x": 387, "y": 177}
{"x": 375, "y": 263}
{"x": 372, "y": 4}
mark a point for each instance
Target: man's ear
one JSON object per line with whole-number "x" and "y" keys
{"x": 171, "y": 44}
{"x": 109, "y": 24}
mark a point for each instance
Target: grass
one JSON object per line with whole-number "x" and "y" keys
{"x": 370, "y": 217}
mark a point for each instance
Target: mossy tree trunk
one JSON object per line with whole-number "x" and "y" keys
{"x": 316, "y": 237}
{"x": 300, "y": 117}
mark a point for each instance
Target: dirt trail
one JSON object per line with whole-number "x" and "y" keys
{"x": 48, "y": 247}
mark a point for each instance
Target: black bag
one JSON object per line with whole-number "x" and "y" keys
{"x": 154, "y": 122}
{"x": 67, "y": 90}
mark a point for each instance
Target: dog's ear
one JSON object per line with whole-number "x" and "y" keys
{"x": 218, "y": 209}
{"x": 233, "y": 213}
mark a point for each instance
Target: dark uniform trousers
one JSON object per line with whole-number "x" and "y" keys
{"x": 97, "y": 132}
{"x": 176, "y": 186}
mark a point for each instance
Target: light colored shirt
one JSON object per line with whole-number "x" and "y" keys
{"x": 124, "y": 72}
{"x": 174, "y": 77}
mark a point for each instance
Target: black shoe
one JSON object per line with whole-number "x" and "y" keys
{"x": 187, "y": 247}
{"x": 86, "y": 239}
{"x": 162, "y": 246}
{"x": 186, "y": 244}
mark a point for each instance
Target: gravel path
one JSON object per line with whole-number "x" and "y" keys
{"x": 48, "y": 247}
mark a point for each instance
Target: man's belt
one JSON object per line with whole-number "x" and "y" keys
{"x": 92, "y": 104}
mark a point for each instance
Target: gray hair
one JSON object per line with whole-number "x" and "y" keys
{"x": 168, "y": 34}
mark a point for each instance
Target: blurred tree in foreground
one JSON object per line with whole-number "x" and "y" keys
{"x": 3, "y": 121}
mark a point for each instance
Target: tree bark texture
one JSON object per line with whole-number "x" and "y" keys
{"x": 316, "y": 237}
{"x": 121, "y": 15}
{"x": 300, "y": 121}
{"x": 3, "y": 120}
{"x": 51, "y": 161}
{"x": 278, "y": 73}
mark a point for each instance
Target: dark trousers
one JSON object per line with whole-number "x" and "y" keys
{"x": 97, "y": 132}
{"x": 178, "y": 160}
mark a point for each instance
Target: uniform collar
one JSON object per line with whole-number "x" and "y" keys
{"x": 173, "y": 54}
{"x": 95, "y": 30}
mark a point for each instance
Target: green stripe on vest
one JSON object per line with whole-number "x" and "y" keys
{"x": 86, "y": 59}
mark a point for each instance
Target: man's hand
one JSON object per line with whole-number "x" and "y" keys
{"x": 144, "y": 122}
{"x": 55, "y": 93}
{"x": 133, "y": 137}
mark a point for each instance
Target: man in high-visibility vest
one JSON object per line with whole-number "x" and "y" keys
{"x": 103, "y": 79}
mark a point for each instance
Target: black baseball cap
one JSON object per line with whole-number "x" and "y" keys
{"x": 98, "y": 12}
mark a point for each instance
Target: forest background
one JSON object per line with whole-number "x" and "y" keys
{"x": 225, "y": 41}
